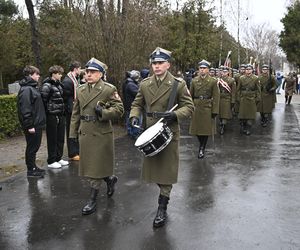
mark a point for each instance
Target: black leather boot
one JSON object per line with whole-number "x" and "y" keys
{"x": 286, "y": 99}
{"x": 110, "y": 182}
{"x": 248, "y": 129}
{"x": 161, "y": 215}
{"x": 222, "y": 129}
{"x": 91, "y": 205}
{"x": 201, "y": 152}
{"x": 290, "y": 99}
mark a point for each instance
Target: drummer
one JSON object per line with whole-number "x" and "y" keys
{"x": 153, "y": 96}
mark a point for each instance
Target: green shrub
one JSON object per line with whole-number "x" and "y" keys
{"x": 9, "y": 122}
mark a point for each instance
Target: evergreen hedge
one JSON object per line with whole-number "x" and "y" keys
{"x": 9, "y": 122}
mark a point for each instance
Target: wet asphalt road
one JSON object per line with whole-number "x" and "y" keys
{"x": 244, "y": 195}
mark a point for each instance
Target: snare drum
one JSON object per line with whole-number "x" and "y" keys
{"x": 154, "y": 139}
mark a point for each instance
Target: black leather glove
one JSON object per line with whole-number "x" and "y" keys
{"x": 213, "y": 116}
{"x": 170, "y": 117}
{"x": 98, "y": 110}
{"x": 134, "y": 121}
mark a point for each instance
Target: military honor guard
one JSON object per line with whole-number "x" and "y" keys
{"x": 248, "y": 97}
{"x": 96, "y": 105}
{"x": 237, "y": 77}
{"x": 154, "y": 97}
{"x": 206, "y": 96}
{"x": 268, "y": 87}
{"x": 227, "y": 98}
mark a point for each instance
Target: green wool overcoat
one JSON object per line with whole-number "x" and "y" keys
{"x": 289, "y": 85}
{"x": 227, "y": 98}
{"x": 163, "y": 167}
{"x": 248, "y": 96}
{"x": 266, "y": 103}
{"x": 206, "y": 88}
{"x": 96, "y": 140}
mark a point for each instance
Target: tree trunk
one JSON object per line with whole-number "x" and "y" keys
{"x": 34, "y": 32}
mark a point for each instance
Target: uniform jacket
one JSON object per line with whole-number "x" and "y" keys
{"x": 52, "y": 94}
{"x": 289, "y": 85}
{"x": 206, "y": 95}
{"x": 30, "y": 106}
{"x": 163, "y": 167}
{"x": 96, "y": 137}
{"x": 266, "y": 103}
{"x": 227, "y": 98}
{"x": 248, "y": 96}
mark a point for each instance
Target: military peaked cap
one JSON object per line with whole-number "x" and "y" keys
{"x": 160, "y": 55}
{"x": 95, "y": 64}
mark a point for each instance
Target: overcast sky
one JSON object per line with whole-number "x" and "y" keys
{"x": 257, "y": 11}
{"x": 252, "y": 12}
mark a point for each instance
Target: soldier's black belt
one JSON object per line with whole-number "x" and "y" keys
{"x": 202, "y": 97}
{"x": 156, "y": 114}
{"x": 88, "y": 118}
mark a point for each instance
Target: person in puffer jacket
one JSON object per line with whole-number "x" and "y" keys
{"x": 52, "y": 94}
{"x": 32, "y": 118}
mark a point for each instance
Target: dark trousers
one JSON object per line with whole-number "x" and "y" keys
{"x": 55, "y": 132}
{"x": 72, "y": 144}
{"x": 33, "y": 143}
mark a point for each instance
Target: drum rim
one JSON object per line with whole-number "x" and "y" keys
{"x": 161, "y": 129}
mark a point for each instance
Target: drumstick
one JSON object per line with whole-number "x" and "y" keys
{"x": 174, "y": 107}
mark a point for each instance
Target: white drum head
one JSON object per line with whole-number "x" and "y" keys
{"x": 148, "y": 134}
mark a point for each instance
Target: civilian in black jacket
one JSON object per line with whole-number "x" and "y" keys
{"x": 32, "y": 118}
{"x": 70, "y": 84}
{"x": 52, "y": 94}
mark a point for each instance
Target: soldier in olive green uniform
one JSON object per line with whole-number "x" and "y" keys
{"x": 96, "y": 105}
{"x": 248, "y": 96}
{"x": 153, "y": 96}
{"x": 212, "y": 72}
{"x": 206, "y": 95}
{"x": 227, "y": 98}
{"x": 268, "y": 86}
{"x": 289, "y": 86}
{"x": 237, "y": 80}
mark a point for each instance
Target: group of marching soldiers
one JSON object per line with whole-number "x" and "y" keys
{"x": 242, "y": 95}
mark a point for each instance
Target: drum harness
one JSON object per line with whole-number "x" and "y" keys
{"x": 171, "y": 102}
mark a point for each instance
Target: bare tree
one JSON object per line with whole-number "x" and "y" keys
{"x": 34, "y": 31}
{"x": 263, "y": 42}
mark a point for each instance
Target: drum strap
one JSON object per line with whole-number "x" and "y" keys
{"x": 173, "y": 95}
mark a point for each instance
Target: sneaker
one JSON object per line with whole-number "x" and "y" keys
{"x": 63, "y": 163}
{"x": 35, "y": 173}
{"x": 54, "y": 165}
{"x": 75, "y": 158}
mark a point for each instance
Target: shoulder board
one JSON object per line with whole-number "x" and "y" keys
{"x": 82, "y": 85}
{"x": 179, "y": 79}
{"x": 109, "y": 84}
{"x": 145, "y": 79}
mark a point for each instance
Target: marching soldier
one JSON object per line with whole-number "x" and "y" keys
{"x": 212, "y": 72}
{"x": 153, "y": 96}
{"x": 97, "y": 103}
{"x": 206, "y": 97}
{"x": 237, "y": 80}
{"x": 227, "y": 98}
{"x": 248, "y": 96}
{"x": 289, "y": 86}
{"x": 268, "y": 86}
